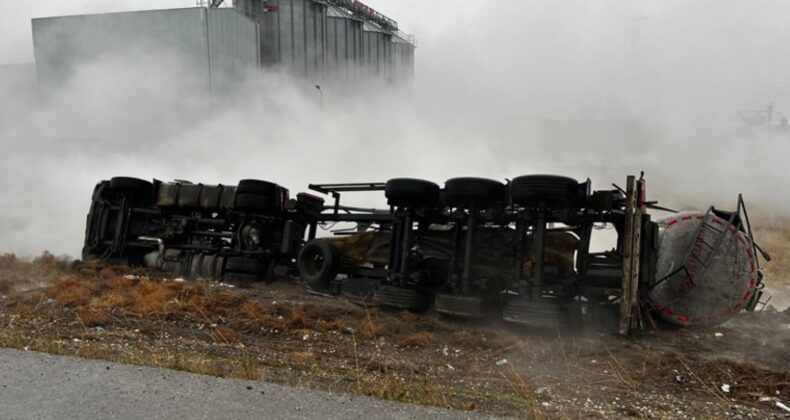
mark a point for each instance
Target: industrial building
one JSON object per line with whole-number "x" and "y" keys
{"x": 217, "y": 46}
{"x": 316, "y": 40}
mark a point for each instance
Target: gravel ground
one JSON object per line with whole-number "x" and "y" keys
{"x": 40, "y": 386}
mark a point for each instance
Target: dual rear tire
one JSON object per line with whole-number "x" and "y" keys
{"x": 553, "y": 190}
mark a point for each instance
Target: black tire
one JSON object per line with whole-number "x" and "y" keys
{"x": 123, "y": 183}
{"x": 246, "y": 265}
{"x": 465, "y": 192}
{"x": 535, "y": 313}
{"x": 195, "y": 267}
{"x": 254, "y": 202}
{"x": 411, "y": 192}
{"x": 460, "y": 306}
{"x": 242, "y": 280}
{"x": 317, "y": 264}
{"x": 402, "y": 298}
{"x": 556, "y": 191}
{"x": 138, "y": 190}
{"x": 257, "y": 187}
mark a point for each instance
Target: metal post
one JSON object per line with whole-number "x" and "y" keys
{"x": 628, "y": 241}
{"x": 406, "y": 246}
{"x": 636, "y": 252}
{"x": 395, "y": 250}
{"x": 454, "y": 259}
{"x": 313, "y": 230}
{"x": 336, "y": 196}
{"x": 539, "y": 245}
{"x": 466, "y": 277}
{"x": 521, "y": 230}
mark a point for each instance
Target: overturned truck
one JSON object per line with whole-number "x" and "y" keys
{"x": 475, "y": 248}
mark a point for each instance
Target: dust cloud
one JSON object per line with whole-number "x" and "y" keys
{"x": 596, "y": 89}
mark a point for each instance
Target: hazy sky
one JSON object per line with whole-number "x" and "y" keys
{"x": 587, "y": 88}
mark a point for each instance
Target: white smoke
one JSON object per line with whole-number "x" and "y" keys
{"x": 586, "y": 89}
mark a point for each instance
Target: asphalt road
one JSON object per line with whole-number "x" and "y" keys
{"x": 41, "y": 386}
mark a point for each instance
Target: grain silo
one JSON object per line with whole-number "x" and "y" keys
{"x": 340, "y": 39}
{"x": 344, "y": 44}
{"x": 313, "y": 40}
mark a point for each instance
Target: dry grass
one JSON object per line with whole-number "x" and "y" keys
{"x": 747, "y": 381}
{"x": 418, "y": 339}
{"x": 470, "y": 339}
{"x": 525, "y": 391}
{"x": 774, "y": 237}
{"x": 200, "y": 328}
{"x": 7, "y": 286}
{"x": 18, "y": 274}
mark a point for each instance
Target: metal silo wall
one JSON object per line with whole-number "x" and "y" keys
{"x": 333, "y": 43}
{"x": 378, "y": 53}
{"x": 270, "y": 28}
{"x": 63, "y": 44}
{"x": 402, "y": 60}
{"x": 294, "y": 36}
{"x": 315, "y": 41}
{"x": 202, "y": 47}
{"x": 233, "y": 47}
{"x": 370, "y": 52}
{"x": 344, "y": 52}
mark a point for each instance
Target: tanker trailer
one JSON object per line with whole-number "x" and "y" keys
{"x": 518, "y": 250}
{"x": 708, "y": 268}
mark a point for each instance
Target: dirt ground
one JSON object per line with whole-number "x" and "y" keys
{"x": 278, "y": 333}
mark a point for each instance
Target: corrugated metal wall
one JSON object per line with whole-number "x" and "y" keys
{"x": 233, "y": 47}
{"x": 294, "y": 36}
{"x": 306, "y": 37}
{"x": 377, "y": 50}
{"x": 344, "y": 45}
{"x": 314, "y": 40}
{"x": 402, "y": 60}
{"x": 216, "y": 45}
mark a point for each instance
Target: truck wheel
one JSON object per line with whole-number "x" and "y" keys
{"x": 243, "y": 271}
{"x": 411, "y": 192}
{"x": 123, "y": 183}
{"x": 402, "y": 298}
{"x": 465, "y": 192}
{"x": 556, "y": 191}
{"x": 470, "y": 307}
{"x": 257, "y": 187}
{"x": 534, "y": 313}
{"x": 138, "y": 190}
{"x": 317, "y": 264}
